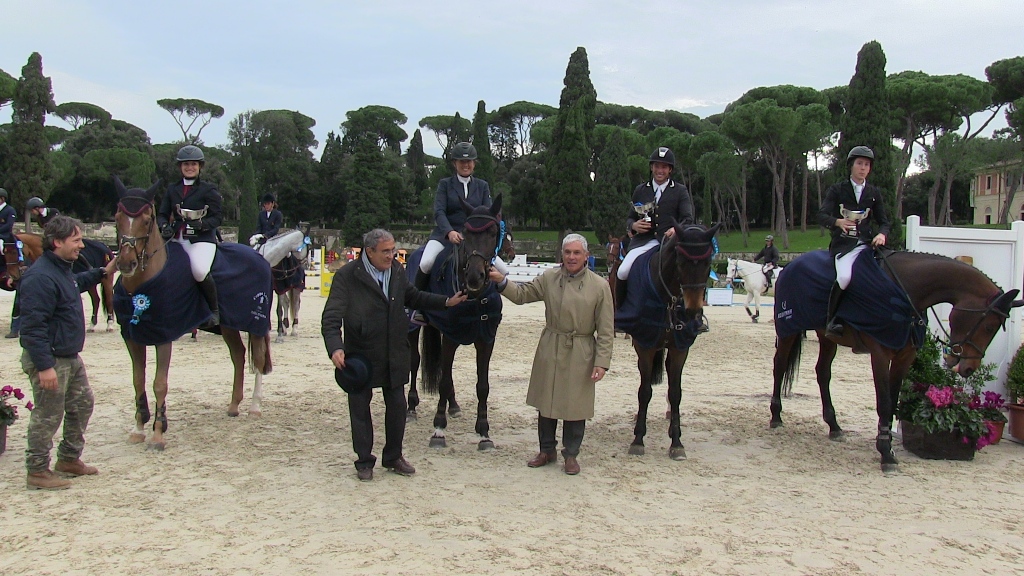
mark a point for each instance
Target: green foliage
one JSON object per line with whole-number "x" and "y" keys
{"x": 1007, "y": 79}
{"x": 189, "y": 111}
{"x": 612, "y": 190}
{"x": 485, "y": 162}
{"x": 78, "y": 114}
{"x": 8, "y": 84}
{"x": 332, "y": 190}
{"x": 368, "y": 205}
{"x": 526, "y": 178}
{"x": 449, "y": 130}
{"x": 415, "y": 161}
{"x": 1015, "y": 377}
{"x": 939, "y": 400}
{"x": 510, "y": 129}
{"x": 27, "y": 171}
{"x": 248, "y": 203}
{"x": 381, "y": 125}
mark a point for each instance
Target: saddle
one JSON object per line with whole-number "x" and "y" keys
{"x": 644, "y": 316}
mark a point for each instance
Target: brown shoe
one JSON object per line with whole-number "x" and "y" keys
{"x": 364, "y": 474}
{"x": 401, "y": 466}
{"x": 46, "y": 480}
{"x": 75, "y": 468}
{"x": 572, "y": 467}
{"x": 542, "y": 459}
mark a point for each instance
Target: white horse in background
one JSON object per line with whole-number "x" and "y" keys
{"x": 754, "y": 282}
{"x": 276, "y": 251}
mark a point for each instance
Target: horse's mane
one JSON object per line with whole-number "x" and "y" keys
{"x": 900, "y": 254}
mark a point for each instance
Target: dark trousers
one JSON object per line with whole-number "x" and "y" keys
{"x": 572, "y": 435}
{"x": 362, "y": 425}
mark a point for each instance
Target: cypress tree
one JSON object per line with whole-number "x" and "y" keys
{"x": 612, "y": 190}
{"x": 248, "y": 207}
{"x": 368, "y": 205}
{"x": 868, "y": 122}
{"x": 485, "y": 161}
{"x": 28, "y": 170}
{"x": 566, "y": 200}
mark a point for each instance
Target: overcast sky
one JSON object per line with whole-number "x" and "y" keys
{"x": 424, "y": 58}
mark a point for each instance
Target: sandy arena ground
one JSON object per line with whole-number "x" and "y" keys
{"x": 279, "y": 495}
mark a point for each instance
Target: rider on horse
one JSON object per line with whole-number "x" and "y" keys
{"x": 657, "y": 206}
{"x": 41, "y": 213}
{"x": 270, "y": 221}
{"x": 848, "y": 209}
{"x": 189, "y": 214}
{"x": 770, "y": 255}
{"x": 8, "y": 216}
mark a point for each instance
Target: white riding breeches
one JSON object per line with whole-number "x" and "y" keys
{"x": 433, "y": 248}
{"x": 844, "y": 266}
{"x": 200, "y": 257}
{"x": 623, "y": 272}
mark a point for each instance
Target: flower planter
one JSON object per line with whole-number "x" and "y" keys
{"x": 3, "y": 438}
{"x": 1016, "y": 420}
{"x": 998, "y": 430}
{"x": 935, "y": 445}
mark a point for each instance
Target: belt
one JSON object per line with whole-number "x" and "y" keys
{"x": 570, "y": 336}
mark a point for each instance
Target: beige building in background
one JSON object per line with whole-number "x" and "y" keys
{"x": 990, "y": 188}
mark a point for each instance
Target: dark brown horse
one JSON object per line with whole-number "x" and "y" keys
{"x": 141, "y": 257}
{"x": 980, "y": 309}
{"x": 679, "y": 272}
{"x": 474, "y": 321}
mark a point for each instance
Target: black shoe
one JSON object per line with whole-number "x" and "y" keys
{"x": 11, "y": 335}
{"x": 834, "y": 326}
{"x": 364, "y": 474}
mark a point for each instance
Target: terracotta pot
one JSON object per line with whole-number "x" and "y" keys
{"x": 3, "y": 438}
{"x": 998, "y": 430}
{"x": 1016, "y": 420}
{"x": 935, "y": 445}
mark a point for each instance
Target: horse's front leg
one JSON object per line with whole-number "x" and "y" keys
{"x": 295, "y": 301}
{"x": 676, "y": 361}
{"x": 137, "y": 352}
{"x": 282, "y": 320}
{"x": 414, "y": 370}
{"x": 445, "y": 393}
{"x": 94, "y": 297}
{"x": 645, "y": 363}
{"x": 163, "y": 366}
{"x": 483, "y": 389}
{"x": 236, "y": 348}
{"x": 880, "y": 363}
{"x": 108, "y": 301}
{"x": 823, "y": 370}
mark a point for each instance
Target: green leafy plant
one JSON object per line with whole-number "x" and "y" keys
{"x": 1015, "y": 377}
{"x": 8, "y": 409}
{"x": 939, "y": 400}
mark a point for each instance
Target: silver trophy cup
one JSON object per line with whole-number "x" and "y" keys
{"x": 856, "y": 216}
{"x": 644, "y": 210}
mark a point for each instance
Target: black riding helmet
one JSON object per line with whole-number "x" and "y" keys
{"x": 3, "y": 193}
{"x": 463, "y": 151}
{"x": 663, "y": 155}
{"x": 190, "y": 153}
{"x": 860, "y": 152}
{"x": 267, "y": 198}
{"x": 35, "y": 202}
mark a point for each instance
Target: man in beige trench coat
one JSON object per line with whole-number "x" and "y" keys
{"x": 574, "y": 351}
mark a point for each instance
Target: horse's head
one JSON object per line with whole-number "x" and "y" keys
{"x": 732, "y": 270}
{"x": 14, "y": 265}
{"x": 687, "y": 266}
{"x": 138, "y": 238}
{"x": 479, "y": 245}
{"x": 972, "y": 329}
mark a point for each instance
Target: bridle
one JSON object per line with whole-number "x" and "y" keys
{"x": 695, "y": 252}
{"x": 462, "y": 258}
{"x": 133, "y": 242}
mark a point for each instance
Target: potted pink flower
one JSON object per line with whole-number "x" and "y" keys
{"x": 9, "y": 411}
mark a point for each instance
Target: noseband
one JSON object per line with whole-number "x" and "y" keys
{"x": 956, "y": 349}
{"x": 138, "y": 206}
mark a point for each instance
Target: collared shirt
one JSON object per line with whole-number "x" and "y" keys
{"x": 658, "y": 189}
{"x": 382, "y": 278}
{"x": 465, "y": 185}
{"x": 858, "y": 189}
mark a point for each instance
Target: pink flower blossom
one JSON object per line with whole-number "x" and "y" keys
{"x": 993, "y": 399}
{"x": 18, "y": 394}
{"x": 29, "y": 405}
{"x": 7, "y": 390}
{"x": 940, "y": 397}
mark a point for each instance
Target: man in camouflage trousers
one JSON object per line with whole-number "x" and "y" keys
{"x": 52, "y": 335}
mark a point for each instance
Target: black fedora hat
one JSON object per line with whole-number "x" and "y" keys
{"x": 356, "y": 374}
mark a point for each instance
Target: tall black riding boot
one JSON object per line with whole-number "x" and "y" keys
{"x": 834, "y": 326}
{"x": 620, "y": 292}
{"x": 209, "y": 290}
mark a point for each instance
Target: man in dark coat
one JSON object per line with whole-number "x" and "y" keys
{"x": 849, "y": 209}
{"x": 271, "y": 219}
{"x": 365, "y": 315}
{"x": 657, "y": 206}
{"x": 770, "y": 255}
{"x": 52, "y": 335}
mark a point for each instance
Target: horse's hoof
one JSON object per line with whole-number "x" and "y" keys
{"x": 255, "y": 413}
{"x": 438, "y": 442}
{"x": 837, "y": 436}
{"x": 136, "y": 438}
{"x": 90, "y": 329}
{"x": 485, "y": 445}
{"x": 279, "y": 339}
{"x": 754, "y": 320}
{"x": 677, "y": 453}
{"x": 455, "y": 413}
{"x": 890, "y": 469}
{"x": 776, "y": 424}
{"x": 411, "y": 416}
{"x": 233, "y": 411}
{"x": 636, "y": 449}
{"x": 156, "y": 446}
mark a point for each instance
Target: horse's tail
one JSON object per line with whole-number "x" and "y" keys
{"x": 792, "y": 365}
{"x": 259, "y": 353}
{"x": 658, "y": 377}
{"x": 431, "y": 359}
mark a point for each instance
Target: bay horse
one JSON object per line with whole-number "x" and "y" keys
{"x": 754, "y": 282}
{"x": 664, "y": 313}
{"x": 95, "y": 255}
{"x": 475, "y": 321}
{"x": 142, "y": 255}
{"x": 980, "y": 309}
{"x": 288, "y": 254}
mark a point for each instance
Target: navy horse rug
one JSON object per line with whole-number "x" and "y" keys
{"x": 644, "y": 315}
{"x": 94, "y": 254}
{"x": 170, "y": 304}
{"x": 466, "y": 323}
{"x": 289, "y": 274}
{"x": 872, "y": 304}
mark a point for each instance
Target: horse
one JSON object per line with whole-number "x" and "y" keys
{"x": 95, "y": 255}
{"x": 980, "y": 308}
{"x": 472, "y": 322}
{"x": 142, "y": 256}
{"x": 616, "y": 251}
{"x": 288, "y": 254}
{"x": 754, "y": 282}
{"x": 664, "y": 313}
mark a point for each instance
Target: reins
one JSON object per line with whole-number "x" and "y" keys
{"x": 132, "y": 242}
{"x": 672, "y": 308}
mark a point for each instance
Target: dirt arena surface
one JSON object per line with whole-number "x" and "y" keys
{"x": 279, "y": 495}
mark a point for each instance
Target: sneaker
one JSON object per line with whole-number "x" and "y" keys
{"x": 46, "y": 480}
